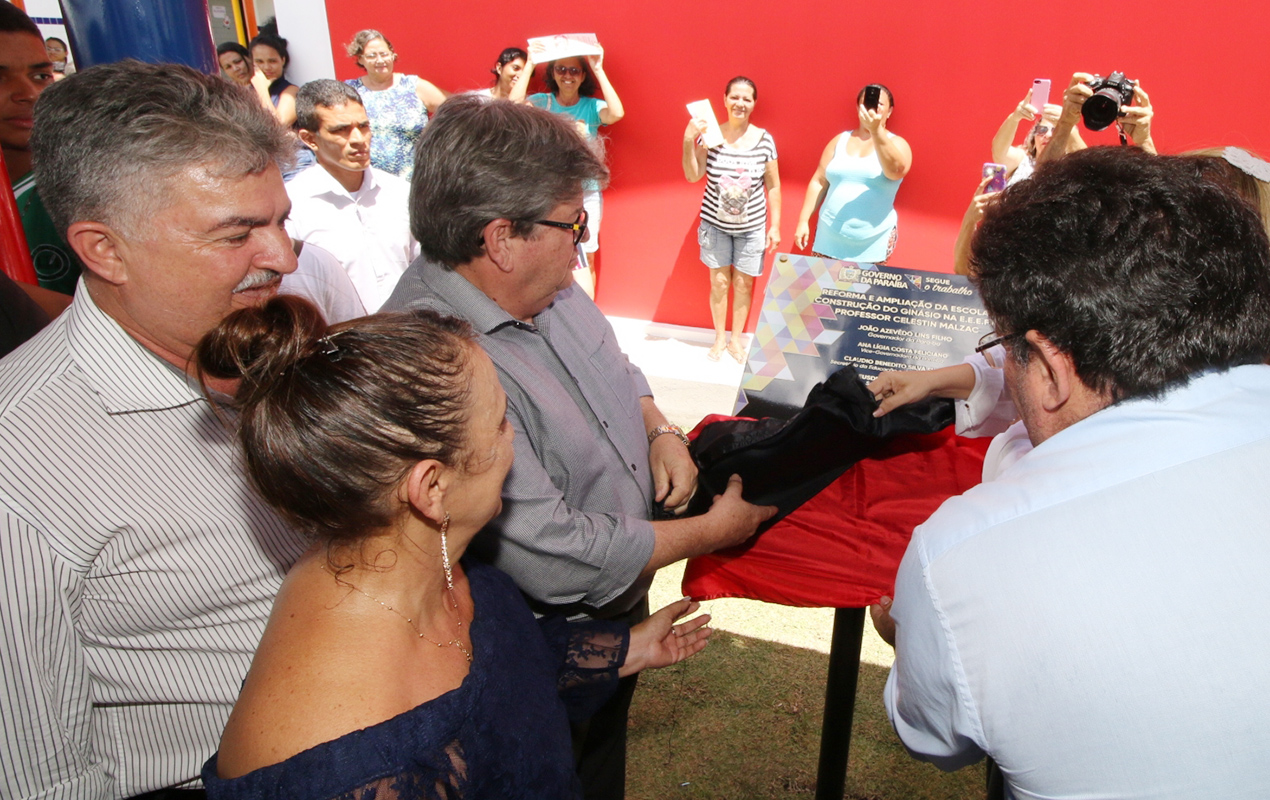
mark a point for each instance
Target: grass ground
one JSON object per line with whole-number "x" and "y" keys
{"x": 742, "y": 720}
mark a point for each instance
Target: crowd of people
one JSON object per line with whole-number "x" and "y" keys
{"x": 340, "y": 486}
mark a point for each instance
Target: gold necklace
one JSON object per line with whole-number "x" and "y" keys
{"x": 452, "y": 643}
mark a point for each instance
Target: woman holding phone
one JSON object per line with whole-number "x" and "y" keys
{"x": 855, "y": 185}
{"x": 734, "y": 209}
{"x": 1019, "y": 162}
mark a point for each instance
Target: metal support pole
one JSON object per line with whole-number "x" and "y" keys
{"x": 835, "y": 733}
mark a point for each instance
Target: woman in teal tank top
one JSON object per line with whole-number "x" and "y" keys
{"x": 855, "y": 185}
{"x": 572, "y": 84}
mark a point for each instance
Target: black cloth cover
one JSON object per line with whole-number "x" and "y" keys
{"x": 784, "y": 463}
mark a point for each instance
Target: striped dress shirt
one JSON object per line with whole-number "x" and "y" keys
{"x": 137, "y": 567}
{"x": 574, "y": 531}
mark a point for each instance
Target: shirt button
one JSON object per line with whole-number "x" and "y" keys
{"x": 604, "y": 423}
{"x": 633, "y": 468}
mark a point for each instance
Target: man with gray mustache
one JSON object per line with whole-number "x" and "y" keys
{"x": 137, "y": 567}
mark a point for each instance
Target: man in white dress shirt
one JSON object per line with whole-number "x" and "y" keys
{"x": 1097, "y": 618}
{"x": 137, "y": 565}
{"x": 343, "y": 204}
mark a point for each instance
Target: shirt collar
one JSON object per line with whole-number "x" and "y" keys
{"x": 123, "y": 374}
{"x": 477, "y": 308}
{"x": 323, "y": 182}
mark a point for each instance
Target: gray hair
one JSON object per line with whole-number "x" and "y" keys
{"x": 323, "y": 92}
{"x": 479, "y": 161}
{"x": 108, "y": 140}
{"x": 362, "y": 38}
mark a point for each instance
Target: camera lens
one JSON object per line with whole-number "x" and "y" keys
{"x": 1101, "y": 110}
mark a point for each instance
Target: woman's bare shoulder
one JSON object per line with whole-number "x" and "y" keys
{"x": 321, "y": 672}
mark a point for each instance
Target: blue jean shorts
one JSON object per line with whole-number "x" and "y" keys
{"x": 741, "y": 250}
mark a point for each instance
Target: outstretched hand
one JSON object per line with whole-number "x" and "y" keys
{"x": 870, "y": 119}
{"x": 660, "y": 640}
{"x": 597, "y": 62}
{"x": 1077, "y": 93}
{"x": 696, "y": 127}
{"x": 893, "y": 389}
{"x": 1136, "y": 120}
{"x": 1025, "y": 109}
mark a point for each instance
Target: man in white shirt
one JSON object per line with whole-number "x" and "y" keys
{"x": 1097, "y": 618}
{"x": 137, "y": 565}
{"x": 343, "y": 204}
{"x": 321, "y": 280}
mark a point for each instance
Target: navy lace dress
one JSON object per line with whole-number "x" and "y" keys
{"x": 503, "y": 733}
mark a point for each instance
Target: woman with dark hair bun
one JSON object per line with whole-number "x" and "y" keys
{"x": 270, "y": 59}
{"x": 507, "y": 72}
{"x": 277, "y": 94}
{"x": 392, "y": 665}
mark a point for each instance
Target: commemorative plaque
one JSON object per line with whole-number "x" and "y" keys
{"x": 819, "y": 315}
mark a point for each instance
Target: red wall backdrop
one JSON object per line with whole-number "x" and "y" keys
{"x": 956, "y": 72}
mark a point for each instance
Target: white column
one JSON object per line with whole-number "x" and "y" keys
{"x": 303, "y": 24}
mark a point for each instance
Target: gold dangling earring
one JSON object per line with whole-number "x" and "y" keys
{"x": 445, "y": 554}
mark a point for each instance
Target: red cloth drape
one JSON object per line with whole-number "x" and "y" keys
{"x": 842, "y": 548}
{"x": 15, "y": 257}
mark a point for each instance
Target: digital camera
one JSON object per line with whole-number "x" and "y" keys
{"x": 1110, "y": 93}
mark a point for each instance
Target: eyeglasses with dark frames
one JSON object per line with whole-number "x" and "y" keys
{"x": 991, "y": 340}
{"x": 578, "y": 226}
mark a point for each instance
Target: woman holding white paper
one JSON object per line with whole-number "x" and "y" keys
{"x": 572, "y": 83}
{"x": 734, "y": 208}
{"x": 859, "y": 173}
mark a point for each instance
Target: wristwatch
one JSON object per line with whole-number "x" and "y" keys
{"x": 675, "y": 429}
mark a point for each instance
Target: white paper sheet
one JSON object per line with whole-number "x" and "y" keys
{"x": 563, "y": 45}
{"x": 702, "y": 110}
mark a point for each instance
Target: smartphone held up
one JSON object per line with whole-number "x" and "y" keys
{"x": 995, "y": 173}
{"x": 1040, "y": 94}
{"x": 872, "y": 96}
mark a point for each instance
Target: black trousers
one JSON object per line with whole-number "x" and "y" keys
{"x": 172, "y": 794}
{"x": 599, "y": 742}
{"x": 599, "y": 746}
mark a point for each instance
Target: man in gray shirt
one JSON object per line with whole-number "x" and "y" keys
{"x": 496, "y": 205}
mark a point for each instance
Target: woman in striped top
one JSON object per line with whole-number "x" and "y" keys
{"x": 734, "y": 209}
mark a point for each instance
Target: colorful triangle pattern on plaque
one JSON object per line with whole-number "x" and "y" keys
{"x": 791, "y": 320}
